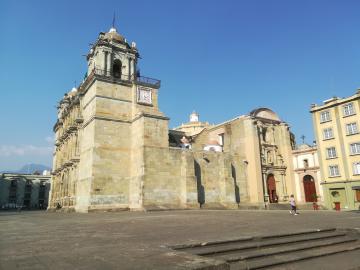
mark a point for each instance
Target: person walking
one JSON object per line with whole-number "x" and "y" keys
{"x": 293, "y": 205}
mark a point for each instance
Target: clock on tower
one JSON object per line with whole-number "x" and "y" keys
{"x": 144, "y": 95}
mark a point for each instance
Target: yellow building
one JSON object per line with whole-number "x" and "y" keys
{"x": 336, "y": 125}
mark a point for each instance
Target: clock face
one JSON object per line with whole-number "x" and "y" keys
{"x": 144, "y": 95}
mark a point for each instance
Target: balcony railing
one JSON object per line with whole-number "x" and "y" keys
{"x": 124, "y": 77}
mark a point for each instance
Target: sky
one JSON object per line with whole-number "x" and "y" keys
{"x": 220, "y": 58}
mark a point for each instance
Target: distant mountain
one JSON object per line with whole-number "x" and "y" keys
{"x": 29, "y": 169}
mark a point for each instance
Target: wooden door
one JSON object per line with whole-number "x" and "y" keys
{"x": 271, "y": 188}
{"x": 309, "y": 189}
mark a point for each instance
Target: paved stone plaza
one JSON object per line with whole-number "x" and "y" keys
{"x": 140, "y": 240}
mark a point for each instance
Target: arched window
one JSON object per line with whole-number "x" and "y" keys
{"x": 117, "y": 68}
{"x": 306, "y": 163}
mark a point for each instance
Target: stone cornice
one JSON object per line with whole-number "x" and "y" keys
{"x": 300, "y": 151}
{"x": 94, "y": 117}
{"x": 335, "y": 103}
{"x": 311, "y": 169}
{"x": 150, "y": 116}
{"x": 338, "y": 182}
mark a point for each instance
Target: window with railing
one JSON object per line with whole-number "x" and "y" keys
{"x": 348, "y": 109}
{"x": 355, "y": 148}
{"x": 334, "y": 170}
{"x": 356, "y": 168}
{"x": 325, "y": 116}
{"x": 331, "y": 152}
{"x": 328, "y": 133}
{"x": 351, "y": 129}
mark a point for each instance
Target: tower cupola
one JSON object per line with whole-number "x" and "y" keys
{"x": 112, "y": 56}
{"x": 194, "y": 117}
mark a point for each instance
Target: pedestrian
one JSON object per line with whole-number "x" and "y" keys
{"x": 293, "y": 205}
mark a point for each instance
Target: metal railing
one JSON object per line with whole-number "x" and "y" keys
{"x": 125, "y": 77}
{"x": 147, "y": 80}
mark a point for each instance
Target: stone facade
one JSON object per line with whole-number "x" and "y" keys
{"x": 30, "y": 191}
{"x": 258, "y": 148}
{"x": 114, "y": 150}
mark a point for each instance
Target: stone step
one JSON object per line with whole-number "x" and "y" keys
{"x": 186, "y": 247}
{"x": 281, "y": 259}
{"x": 270, "y": 251}
{"x": 257, "y": 243}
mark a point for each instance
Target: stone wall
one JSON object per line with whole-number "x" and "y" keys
{"x": 176, "y": 178}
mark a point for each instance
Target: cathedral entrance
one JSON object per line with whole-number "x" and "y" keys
{"x": 309, "y": 189}
{"x": 271, "y": 189}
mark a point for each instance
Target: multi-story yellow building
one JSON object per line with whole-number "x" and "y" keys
{"x": 337, "y": 131}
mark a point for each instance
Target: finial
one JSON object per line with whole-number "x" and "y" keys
{"x": 113, "y": 22}
{"x": 303, "y": 138}
{"x": 113, "y": 29}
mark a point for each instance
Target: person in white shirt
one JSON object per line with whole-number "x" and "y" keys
{"x": 293, "y": 205}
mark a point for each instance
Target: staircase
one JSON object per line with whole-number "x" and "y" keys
{"x": 276, "y": 250}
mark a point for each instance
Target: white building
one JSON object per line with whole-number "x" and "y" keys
{"x": 307, "y": 175}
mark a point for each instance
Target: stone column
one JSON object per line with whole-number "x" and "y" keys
{"x": 283, "y": 180}
{"x": 134, "y": 68}
{"x": 266, "y": 195}
{"x": 109, "y": 61}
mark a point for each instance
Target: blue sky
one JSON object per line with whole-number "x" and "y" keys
{"x": 220, "y": 58}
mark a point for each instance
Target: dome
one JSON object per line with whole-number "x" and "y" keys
{"x": 114, "y": 35}
{"x": 194, "y": 117}
{"x": 265, "y": 113}
{"x": 304, "y": 146}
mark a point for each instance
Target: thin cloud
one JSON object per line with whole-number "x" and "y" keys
{"x": 50, "y": 139}
{"x": 23, "y": 150}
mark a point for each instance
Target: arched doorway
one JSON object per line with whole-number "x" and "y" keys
{"x": 237, "y": 191}
{"x": 200, "y": 187}
{"x": 309, "y": 189}
{"x": 117, "y": 68}
{"x": 271, "y": 188}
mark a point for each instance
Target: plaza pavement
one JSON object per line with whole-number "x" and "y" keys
{"x": 140, "y": 240}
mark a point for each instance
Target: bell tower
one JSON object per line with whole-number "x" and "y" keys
{"x": 111, "y": 55}
{"x": 121, "y": 119}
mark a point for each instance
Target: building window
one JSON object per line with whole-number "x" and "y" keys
{"x": 355, "y": 148}
{"x": 331, "y": 152}
{"x": 349, "y": 109}
{"x": 356, "y": 168}
{"x": 325, "y": 117}
{"x": 351, "y": 129}
{"x": 334, "y": 170}
{"x": 328, "y": 133}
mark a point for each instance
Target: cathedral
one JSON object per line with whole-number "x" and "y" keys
{"x": 114, "y": 150}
